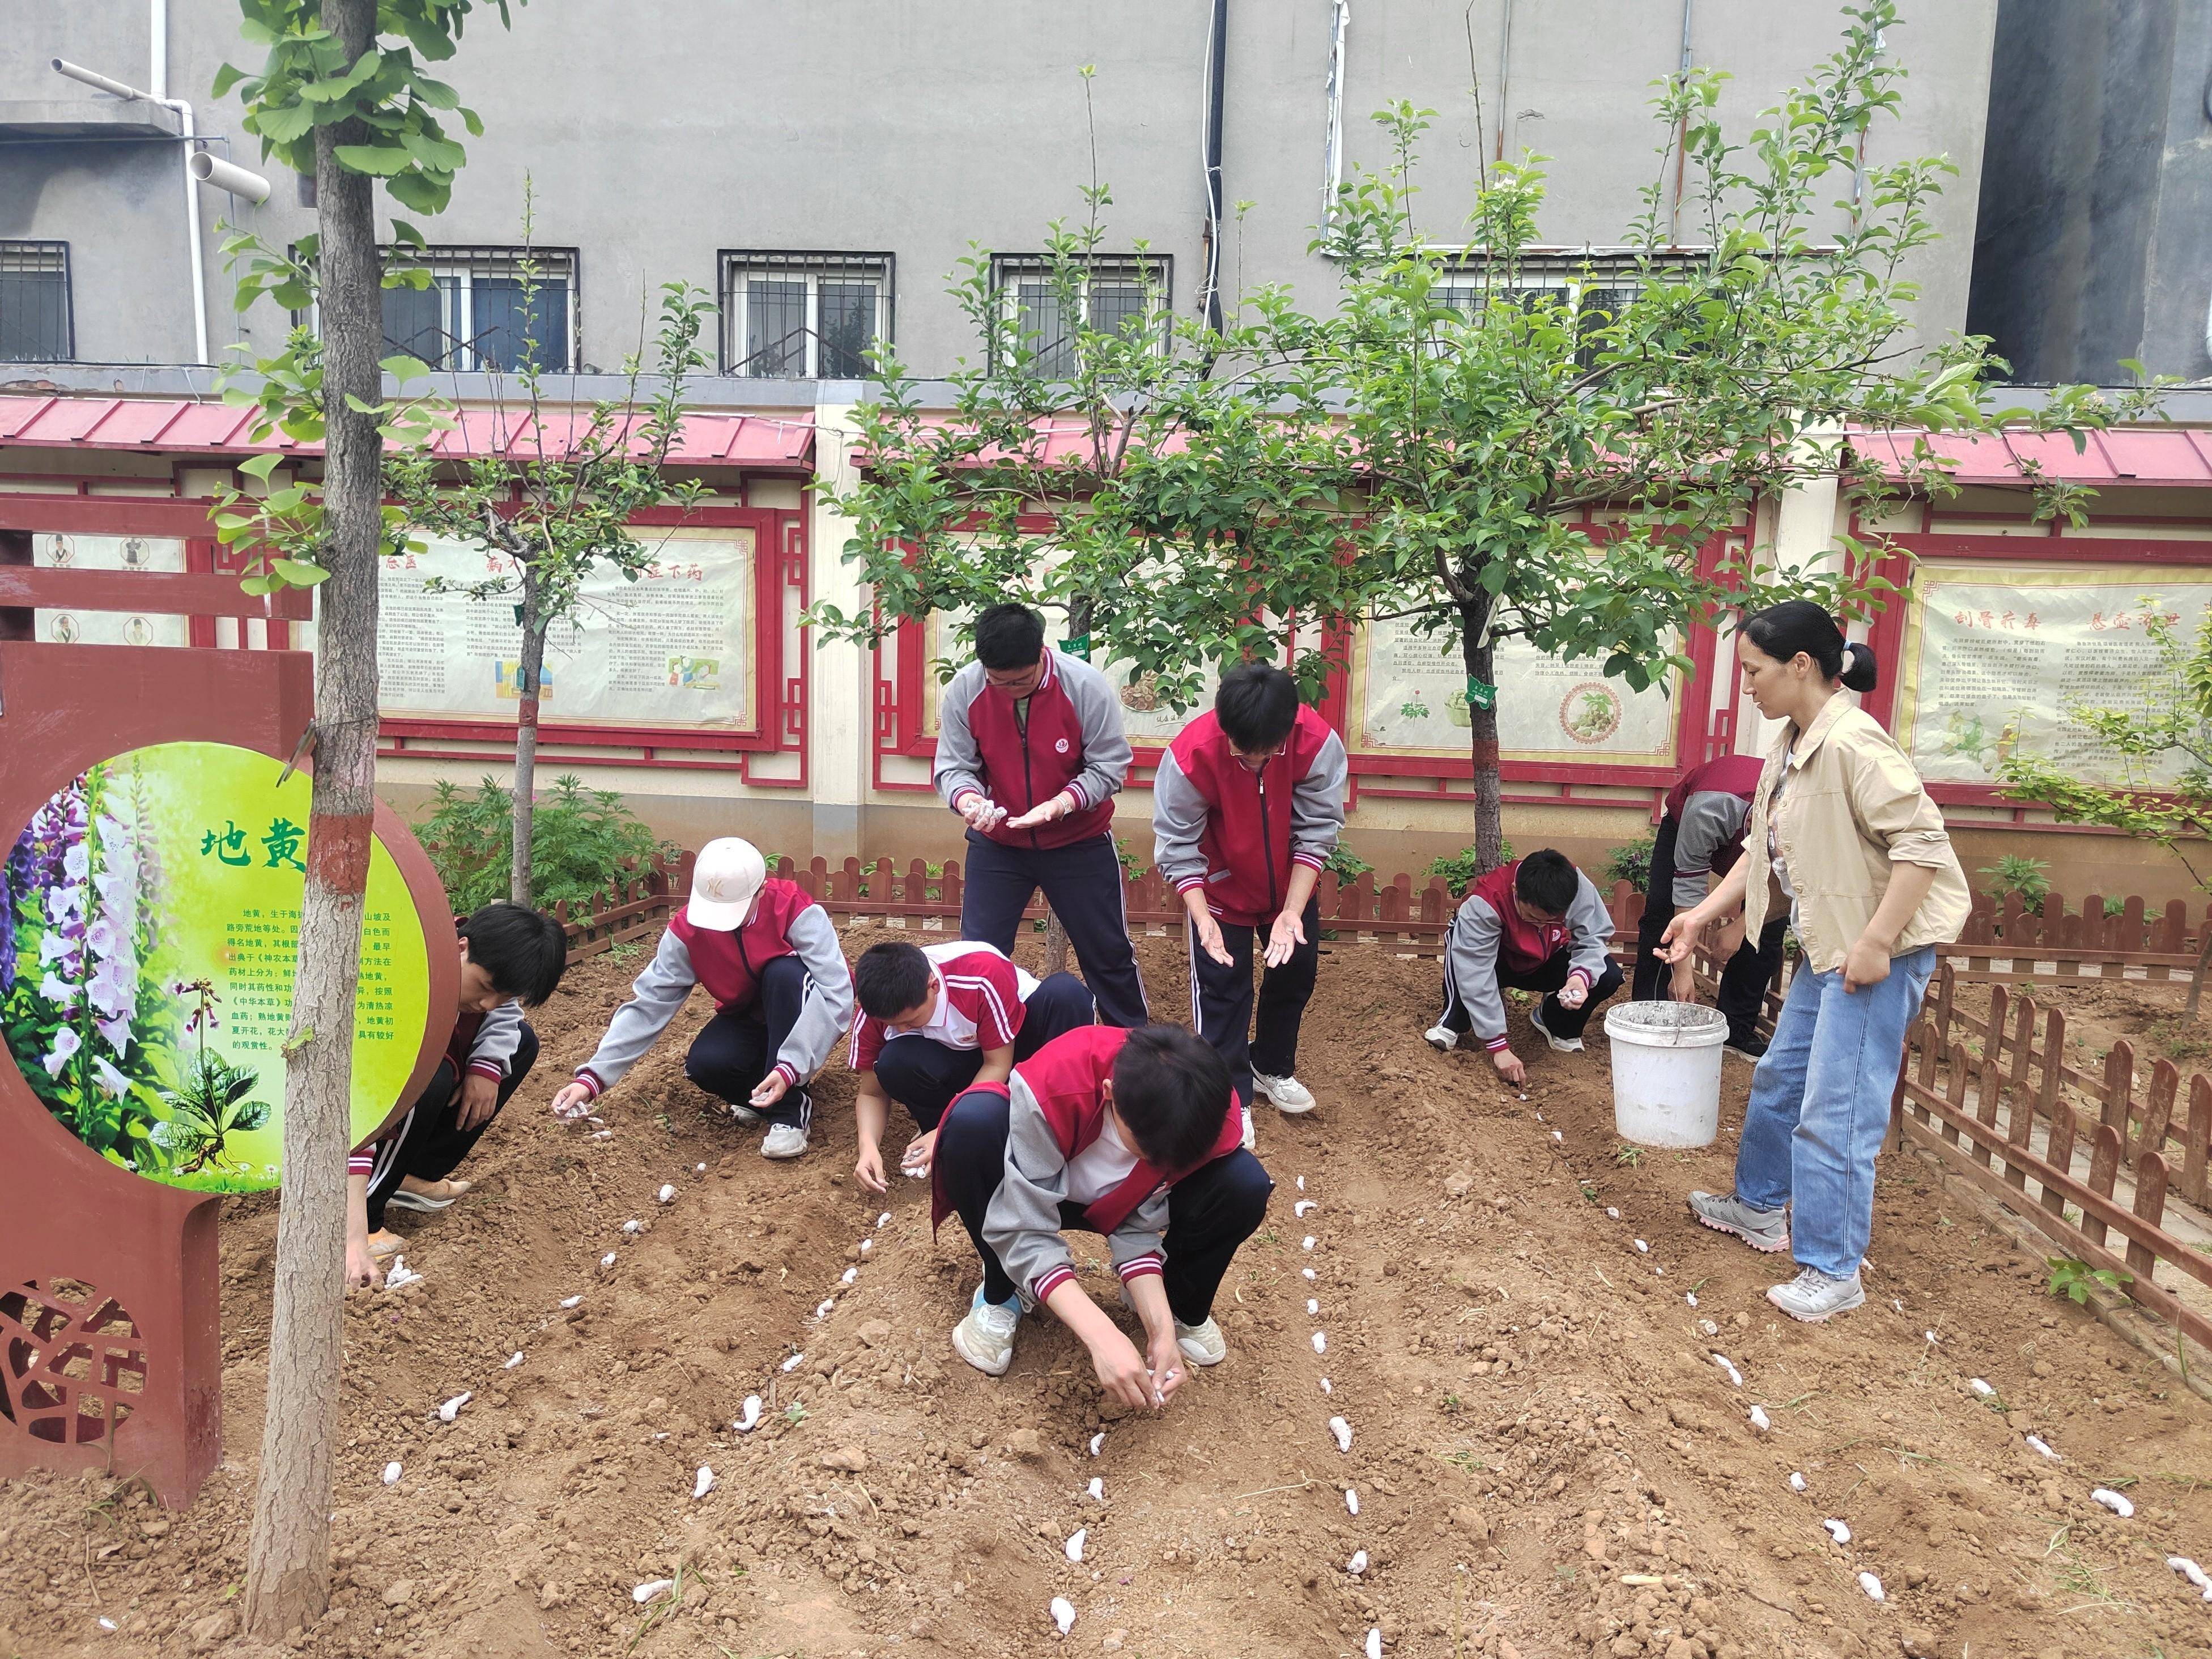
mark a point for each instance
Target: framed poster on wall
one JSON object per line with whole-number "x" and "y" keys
{"x": 1993, "y": 654}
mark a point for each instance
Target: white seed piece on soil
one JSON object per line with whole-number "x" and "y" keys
{"x": 1308, "y": 1272}
{"x": 1096, "y": 1441}
{"x": 2112, "y": 1500}
{"x": 109, "y": 1624}
{"x": 651, "y": 1588}
{"x": 603, "y": 1135}
{"x": 1758, "y": 1419}
{"x": 1313, "y": 1308}
{"x": 632, "y": 1226}
{"x": 1303, "y": 1204}
{"x": 1352, "y": 1500}
{"x": 1556, "y": 1136}
{"x": 511, "y": 1363}
{"x": 885, "y": 1220}
{"x": 792, "y": 1364}
{"x": 392, "y": 1474}
{"x": 699, "y": 1169}
{"x": 1641, "y": 1248}
{"x": 1796, "y": 1481}
{"x": 1691, "y": 1297}
{"x": 1325, "y": 1386}
{"x": 1358, "y": 1565}
{"x": 400, "y": 1274}
{"x": 1982, "y": 1389}
{"x": 2044, "y": 1446}
{"x": 667, "y": 1193}
{"x": 1611, "y": 1214}
{"x": 1342, "y": 1431}
{"x": 2195, "y": 1574}
{"x": 1063, "y": 1613}
{"x": 1661, "y": 1272}
{"x": 452, "y": 1408}
{"x": 1301, "y": 1183}
{"x": 1374, "y": 1643}
{"x": 1707, "y": 1328}
{"x": 851, "y": 1273}
{"x": 744, "y": 1424}
{"x": 572, "y": 1301}
{"x": 1097, "y": 1489}
{"x": 1896, "y": 1303}
{"x": 1074, "y": 1545}
{"x": 608, "y": 1260}
{"x": 1930, "y": 1335}
{"x": 1308, "y": 1243}
{"x": 704, "y": 1484}
{"x": 1838, "y": 1531}
{"x": 822, "y": 1308}
{"x": 1872, "y": 1586}
{"x": 1321, "y": 1341}
{"x": 866, "y": 1244}
{"x": 1729, "y": 1365}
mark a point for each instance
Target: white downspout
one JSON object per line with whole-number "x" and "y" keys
{"x": 1332, "y": 160}
{"x": 157, "y": 34}
{"x": 183, "y": 110}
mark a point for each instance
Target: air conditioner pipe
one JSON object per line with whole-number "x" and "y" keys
{"x": 183, "y": 110}
{"x": 210, "y": 169}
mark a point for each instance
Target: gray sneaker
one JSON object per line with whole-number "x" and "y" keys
{"x": 783, "y": 1140}
{"x": 1765, "y": 1231}
{"x": 1812, "y": 1296}
{"x": 1565, "y": 1045}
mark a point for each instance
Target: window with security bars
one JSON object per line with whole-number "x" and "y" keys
{"x": 1594, "y": 293}
{"x": 476, "y": 315}
{"x": 803, "y": 316}
{"x": 36, "y": 325}
{"x": 1113, "y": 291}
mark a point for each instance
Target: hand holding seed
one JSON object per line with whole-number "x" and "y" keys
{"x": 1121, "y": 1370}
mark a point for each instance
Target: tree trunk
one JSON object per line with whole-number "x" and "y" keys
{"x": 1055, "y": 945}
{"x": 288, "y": 1554}
{"x": 1477, "y": 654}
{"x": 529, "y": 680}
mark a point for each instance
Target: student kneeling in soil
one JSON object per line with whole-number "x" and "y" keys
{"x": 1136, "y": 1134}
{"x": 1535, "y": 925}
{"x": 937, "y": 1020}
{"x": 769, "y": 955}
{"x": 511, "y": 959}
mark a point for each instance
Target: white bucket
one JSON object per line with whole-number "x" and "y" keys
{"x": 1666, "y": 1073}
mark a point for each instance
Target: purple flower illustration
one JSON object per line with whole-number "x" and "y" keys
{"x": 65, "y": 1046}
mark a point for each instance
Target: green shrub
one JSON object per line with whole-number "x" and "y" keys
{"x": 2029, "y": 877}
{"x": 1347, "y": 864}
{"x": 583, "y": 842}
{"x": 1631, "y": 863}
{"x": 1460, "y": 870}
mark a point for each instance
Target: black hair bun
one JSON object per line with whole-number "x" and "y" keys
{"x": 1861, "y": 671}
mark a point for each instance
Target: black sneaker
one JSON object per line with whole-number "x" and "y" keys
{"x": 1752, "y": 1047}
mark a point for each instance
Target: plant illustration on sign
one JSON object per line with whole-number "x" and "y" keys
{"x": 210, "y": 1103}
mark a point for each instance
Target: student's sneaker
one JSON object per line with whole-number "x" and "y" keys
{"x": 1441, "y": 1037}
{"x": 1765, "y": 1231}
{"x": 1202, "y": 1344}
{"x": 743, "y": 1113}
{"x": 1812, "y": 1296}
{"x": 1753, "y": 1048}
{"x": 783, "y": 1140}
{"x": 1287, "y": 1093}
{"x": 986, "y": 1338}
{"x": 1565, "y": 1045}
{"x": 428, "y": 1203}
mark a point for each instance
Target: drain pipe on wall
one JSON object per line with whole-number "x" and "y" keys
{"x": 1216, "y": 42}
{"x": 1333, "y": 143}
{"x": 182, "y": 108}
{"x": 1681, "y": 133}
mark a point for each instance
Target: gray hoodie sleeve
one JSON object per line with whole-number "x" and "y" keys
{"x": 1179, "y": 815}
{"x": 1471, "y": 954}
{"x": 1022, "y": 1225}
{"x": 1590, "y": 926}
{"x": 1317, "y": 805}
{"x": 828, "y": 1005}
{"x": 958, "y": 767}
{"x": 1105, "y": 742}
{"x": 497, "y": 1039}
{"x": 1711, "y": 820}
{"x": 654, "y": 997}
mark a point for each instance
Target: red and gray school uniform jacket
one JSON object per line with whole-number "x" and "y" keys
{"x": 1238, "y": 832}
{"x": 1056, "y": 1114}
{"x": 979, "y": 1003}
{"x": 1709, "y": 804}
{"x": 1488, "y": 932}
{"x": 728, "y": 963}
{"x": 481, "y": 1045}
{"x": 1069, "y": 737}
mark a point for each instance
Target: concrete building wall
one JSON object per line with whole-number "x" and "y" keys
{"x": 655, "y": 137}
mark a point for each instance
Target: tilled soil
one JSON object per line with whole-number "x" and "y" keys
{"x": 1547, "y": 1458}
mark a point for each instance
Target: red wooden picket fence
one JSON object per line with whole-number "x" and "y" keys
{"x": 2084, "y": 944}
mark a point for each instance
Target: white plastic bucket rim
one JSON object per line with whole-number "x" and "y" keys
{"x": 1666, "y": 1026}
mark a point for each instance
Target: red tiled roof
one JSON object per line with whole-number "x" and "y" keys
{"x": 172, "y": 427}
{"x": 2166, "y": 456}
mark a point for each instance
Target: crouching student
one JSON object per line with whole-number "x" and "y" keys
{"x": 1135, "y": 1134}
{"x": 935, "y": 1020}
{"x": 512, "y": 957}
{"x": 1536, "y": 924}
{"x": 769, "y": 955}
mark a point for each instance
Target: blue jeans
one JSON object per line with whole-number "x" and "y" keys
{"x": 1820, "y": 1107}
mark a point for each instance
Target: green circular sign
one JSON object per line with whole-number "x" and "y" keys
{"x": 148, "y": 926}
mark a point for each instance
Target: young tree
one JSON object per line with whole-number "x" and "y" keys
{"x": 2163, "y": 745}
{"x": 556, "y": 504}
{"x": 335, "y": 97}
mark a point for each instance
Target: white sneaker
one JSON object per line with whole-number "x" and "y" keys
{"x": 1441, "y": 1036}
{"x": 743, "y": 1113}
{"x": 1288, "y": 1094}
{"x": 783, "y": 1140}
{"x": 986, "y": 1338}
{"x": 1564, "y": 1045}
{"x": 1202, "y": 1344}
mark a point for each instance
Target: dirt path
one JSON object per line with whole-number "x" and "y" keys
{"x": 1536, "y": 1416}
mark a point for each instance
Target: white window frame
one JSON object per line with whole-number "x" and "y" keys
{"x": 1010, "y": 271}
{"x": 739, "y": 267}
{"x": 451, "y": 273}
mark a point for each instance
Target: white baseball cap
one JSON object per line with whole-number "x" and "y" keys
{"x": 728, "y": 874}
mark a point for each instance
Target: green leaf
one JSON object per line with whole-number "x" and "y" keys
{"x": 226, "y": 77}
{"x": 283, "y": 124}
{"x": 298, "y": 573}
{"x": 260, "y": 466}
{"x": 436, "y": 154}
{"x": 378, "y": 160}
{"x": 259, "y": 587}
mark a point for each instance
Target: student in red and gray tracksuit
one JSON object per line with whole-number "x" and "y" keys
{"x": 1030, "y": 752}
{"x": 1701, "y": 832}
{"x": 1247, "y": 805}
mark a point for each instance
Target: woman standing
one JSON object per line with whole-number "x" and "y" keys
{"x": 1847, "y": 837}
